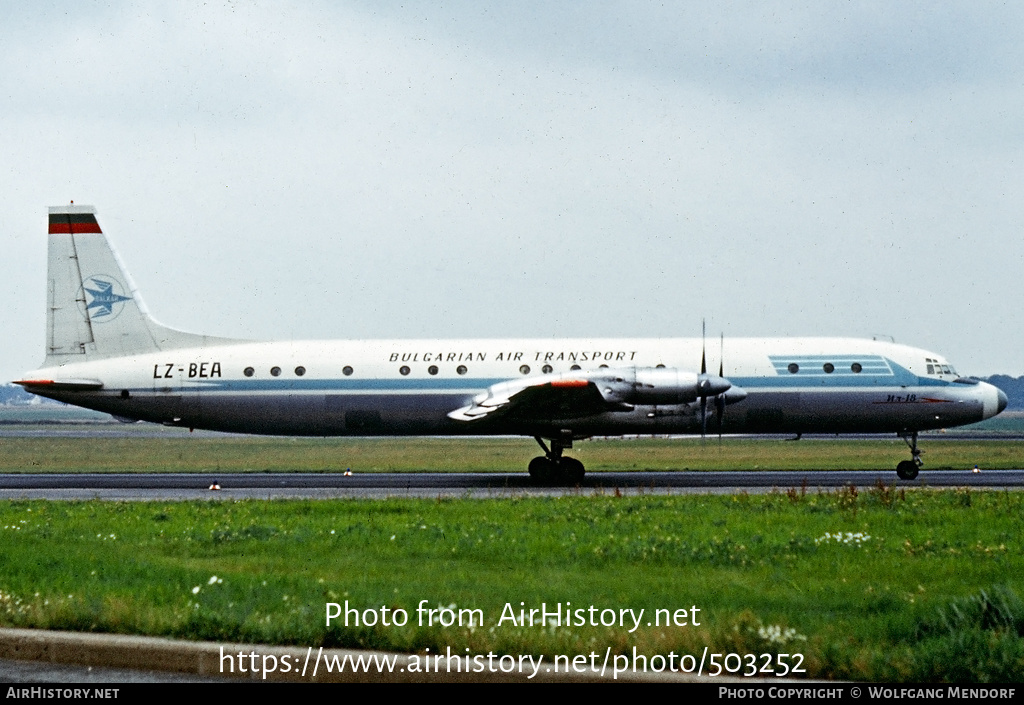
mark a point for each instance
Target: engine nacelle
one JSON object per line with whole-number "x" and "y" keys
{"x": 655, "y": 385}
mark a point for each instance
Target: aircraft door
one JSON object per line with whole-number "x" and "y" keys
{"x": 174, "y": 401}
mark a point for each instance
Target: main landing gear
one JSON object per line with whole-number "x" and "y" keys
{"x": 554, "y": 467}
{"x": 908, "y": 469}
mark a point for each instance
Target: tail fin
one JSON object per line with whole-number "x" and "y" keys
{"x": 93, "y": 310}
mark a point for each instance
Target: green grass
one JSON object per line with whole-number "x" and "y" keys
{"x": 933, "y": 594}
{"x": 924, "y": 588}
{"x": 257, "y": 454}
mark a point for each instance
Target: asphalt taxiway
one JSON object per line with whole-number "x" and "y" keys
{"x": 187, "y": 486}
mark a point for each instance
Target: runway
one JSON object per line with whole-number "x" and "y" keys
{"x": 189, "y": 486}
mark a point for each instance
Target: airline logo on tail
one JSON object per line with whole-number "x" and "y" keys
{"x": 105, "y": 299}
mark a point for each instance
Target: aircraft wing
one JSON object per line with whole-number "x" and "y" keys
{"x": 573, "y": 395}
{"x": 536, "y": 398}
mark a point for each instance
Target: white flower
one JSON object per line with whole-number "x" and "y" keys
{"x": 847, "y": 539}
{"x": 775, "y": 634}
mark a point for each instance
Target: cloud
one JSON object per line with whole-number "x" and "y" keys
{"x": 472, "y": 169}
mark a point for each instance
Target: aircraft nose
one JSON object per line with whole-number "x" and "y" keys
{"x": 994, "y": 400}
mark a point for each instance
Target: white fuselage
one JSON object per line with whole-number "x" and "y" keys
{"x": 410, "y": 387}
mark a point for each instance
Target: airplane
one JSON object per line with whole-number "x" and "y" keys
{"x": 105, "y": 352}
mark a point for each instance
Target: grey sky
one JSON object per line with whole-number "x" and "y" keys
{"x": 348, "y": 170}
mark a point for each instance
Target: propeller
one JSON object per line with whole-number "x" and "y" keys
{"x": 712, "y": 386}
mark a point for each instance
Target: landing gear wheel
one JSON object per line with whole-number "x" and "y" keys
{"x": 541, "y": 469}
{"x": 545, "y": 471}
{"x": 553, "y": 467}
{"x": 572, "y": 470}
{"x": 907, "y": 470}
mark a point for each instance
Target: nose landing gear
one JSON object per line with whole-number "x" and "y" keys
{"x": 553, "y": 467}
{"x": 908, "y": 469}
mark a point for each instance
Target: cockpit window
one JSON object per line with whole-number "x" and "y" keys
{"x": 934, "y": 367}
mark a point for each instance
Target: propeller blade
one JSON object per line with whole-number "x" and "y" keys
{"x": 703, "y": 418}
{"x": 703, "y": 382}
{"x": 720, "y": 414}
{"x": 703, "y": 349}
{"x": 720, "y": 399}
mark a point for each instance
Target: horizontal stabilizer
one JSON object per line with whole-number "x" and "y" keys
{"x": 62, "y": 384}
